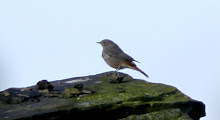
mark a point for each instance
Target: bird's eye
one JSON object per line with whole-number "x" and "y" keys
{"x": 104, "y": 42}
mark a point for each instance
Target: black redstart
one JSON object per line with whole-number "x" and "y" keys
{"x": 116, "y": 58}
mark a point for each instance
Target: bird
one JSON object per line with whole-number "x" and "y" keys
{"x": 115, "y": 57}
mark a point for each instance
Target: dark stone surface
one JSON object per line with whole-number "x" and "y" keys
{"x": 17, "y": 96}
{"x": 44, "y": 84}
{"x": 97, "y": 97}
{"x": 78, "y": 86}
{"x": 116, "y": 77}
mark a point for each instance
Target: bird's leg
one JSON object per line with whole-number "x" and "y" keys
{"x": 116, "y": 71}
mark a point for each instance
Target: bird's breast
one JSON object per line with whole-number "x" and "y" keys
{"x": 105, "y": 56}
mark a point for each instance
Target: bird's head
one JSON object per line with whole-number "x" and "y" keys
{"x": 107, "y": 43}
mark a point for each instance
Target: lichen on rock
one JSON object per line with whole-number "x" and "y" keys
{"x": 93, "y": 97}
{"x": 169, "y": 114}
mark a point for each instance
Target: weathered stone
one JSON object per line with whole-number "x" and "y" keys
{"x": 17, "y": 96}
{"x": 87, "y": 92}
{"x": 131, "y": 98}
{"x": 71, "y": 92}
{"x": 79, "y": 86}
{"x": 118, "y": 77}
{"x": 169, "y": 114}
{"x": 44, "y": 84}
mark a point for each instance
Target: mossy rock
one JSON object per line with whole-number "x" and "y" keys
{"x": 71, "y": 92}
{"x": 170, "y": 114}
{"x": 129, "y": 99}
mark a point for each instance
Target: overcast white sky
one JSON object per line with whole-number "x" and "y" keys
{"x": 176, "y": 41}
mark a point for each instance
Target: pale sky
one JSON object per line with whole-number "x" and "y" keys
{"x": 176, "y": 41}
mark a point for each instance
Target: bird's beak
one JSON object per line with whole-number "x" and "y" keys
{"x": 98, "y": 42}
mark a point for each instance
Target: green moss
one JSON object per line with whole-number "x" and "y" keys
{"x": 170, "y": 114}
{"x": 136, "y": 92}
{"x": 113, "y": 100}
{"x": 71, "y": 92}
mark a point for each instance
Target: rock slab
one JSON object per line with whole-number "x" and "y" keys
{"x": 101, "y": 96}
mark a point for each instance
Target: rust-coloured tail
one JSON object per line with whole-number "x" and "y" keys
{"x": 136, "y": 68}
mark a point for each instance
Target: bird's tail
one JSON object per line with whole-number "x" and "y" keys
{"x": 136, "y": 68}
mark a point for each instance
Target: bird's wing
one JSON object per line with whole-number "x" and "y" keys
{"x": 116, "y": 52}
{"x": 126, "y": 57}
{"x": 113, "y": 52}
